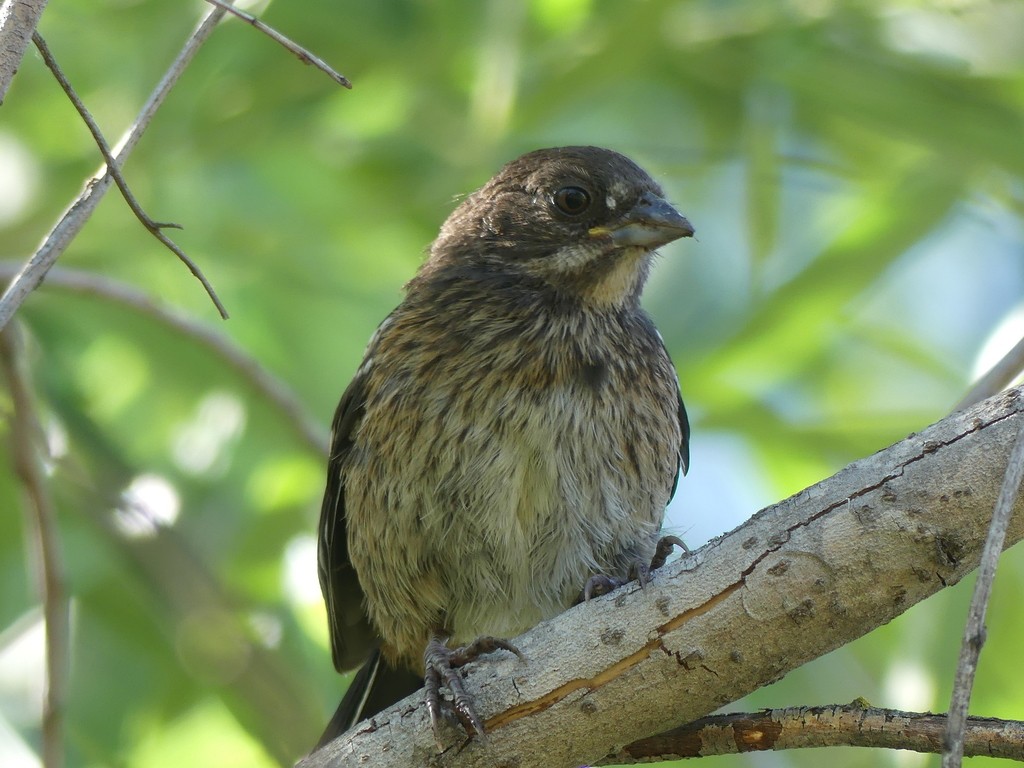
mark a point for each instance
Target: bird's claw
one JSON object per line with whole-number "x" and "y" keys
{"x": 597, "y": 585}
{"x": 665, "y": 546}
{"x": 601, "y": 584}
{"x": 442, "y": 664}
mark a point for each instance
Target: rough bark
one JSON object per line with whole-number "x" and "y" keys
{"x": 18, "y": 20}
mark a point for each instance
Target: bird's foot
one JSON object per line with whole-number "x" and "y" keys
{"x": 442, "y": 664}
{"x": 602, "y": 584}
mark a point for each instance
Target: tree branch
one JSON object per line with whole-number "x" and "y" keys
{"x": 303, "y": 55}
{"x": 27, "y": 437}
{"x": 259, "y": 378}
{"x": 155, "y": 228}
{"x": 35, "y": 269}
{"x": 18, "y": 20}
{"x": 999, "y": 377}
{"x": 974, "y": 629}
{"x": 797, "y": 580}
{"x": 852, "y": 725}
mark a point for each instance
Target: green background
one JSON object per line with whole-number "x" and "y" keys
{"x": 854, "y": 173}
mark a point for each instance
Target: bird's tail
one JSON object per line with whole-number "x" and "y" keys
{"x": 376, "y": 686}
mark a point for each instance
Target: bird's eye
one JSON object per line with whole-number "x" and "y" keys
{"x": 572, "y": 200}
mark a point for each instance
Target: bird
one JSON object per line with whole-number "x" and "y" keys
{"x": 511, "y": 438}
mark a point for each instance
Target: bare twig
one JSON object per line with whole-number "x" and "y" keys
{"x": 18, "y": 20}
{"x": 303, "y": 55}
{"x": 974, "y": 630}
{"x": 852, "y": 725}
{"x": 999, "y": 377}
{"x": 155, "y": 228}
{"x": 35, "y": 269}
{"x": 97, "y": 135}
{"x": 27, "y": 439}
{"x": 264, "y": 382}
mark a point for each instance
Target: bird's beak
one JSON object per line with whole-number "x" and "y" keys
{"x": 651, "y": 223}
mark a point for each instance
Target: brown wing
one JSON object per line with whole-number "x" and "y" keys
{"x": 352, "y": 637}
{"x": 684, "y": 445}
{"x": 684, "y": 423}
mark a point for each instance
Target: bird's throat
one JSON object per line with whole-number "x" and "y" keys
{"x": 615, "y": 281}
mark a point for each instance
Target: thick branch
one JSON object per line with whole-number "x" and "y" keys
{"x": 799, "y": 579}
{"x": 852, "y": 725}
{"x": 18, "y": 20}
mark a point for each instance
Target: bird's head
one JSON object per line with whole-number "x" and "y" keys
{"x": 583, "y": 220}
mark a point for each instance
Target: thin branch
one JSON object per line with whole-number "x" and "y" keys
{"x": 27, "y": 439}
{"x": 18, "y": 20}
{"x": 999, "y": 377}
{"x": 305, "y": 56}
{"x": 97, "y": 135}
{"x": 276, "y": 391}
{"x": 974, "y": 629}
{"x": 852, "y": 725}
{"x": 35, "y": 269}
{"x": 155, "y": 228}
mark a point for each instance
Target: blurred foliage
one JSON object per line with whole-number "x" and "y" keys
{"x": 854, "y": 171}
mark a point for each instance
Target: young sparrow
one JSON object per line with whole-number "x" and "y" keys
{"x": 512, "y": 436}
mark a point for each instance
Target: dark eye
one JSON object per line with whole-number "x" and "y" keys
{"x": 572, "y": 200}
